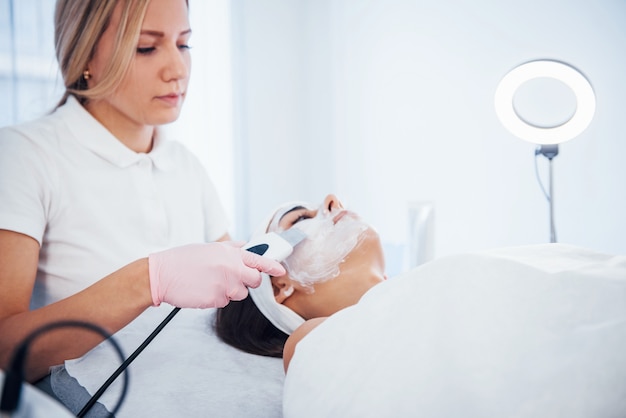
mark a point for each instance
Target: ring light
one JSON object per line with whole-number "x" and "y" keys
{"x": 585, "y": 102}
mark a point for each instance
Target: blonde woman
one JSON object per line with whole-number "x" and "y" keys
{"x": 101, "y": 217}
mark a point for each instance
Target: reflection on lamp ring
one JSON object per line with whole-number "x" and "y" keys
{"x": 585, "y": 102}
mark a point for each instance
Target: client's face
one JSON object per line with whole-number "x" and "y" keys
{"x": 340, "y": 259}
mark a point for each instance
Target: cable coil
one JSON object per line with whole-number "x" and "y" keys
{"x": 14, "y": 377}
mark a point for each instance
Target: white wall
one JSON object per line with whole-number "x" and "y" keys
{"x": 385, "y": 102}
{"x": 206, "y": 121}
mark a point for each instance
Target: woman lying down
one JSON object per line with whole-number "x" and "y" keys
{"x": 533, "y": 331}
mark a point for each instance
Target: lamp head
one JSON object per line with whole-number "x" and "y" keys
{"x": 571, "y": 77}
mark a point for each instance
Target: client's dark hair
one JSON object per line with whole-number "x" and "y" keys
{"x": 241, "y": 325}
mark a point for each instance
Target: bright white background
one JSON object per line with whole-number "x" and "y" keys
{"x": 388, "y": 102}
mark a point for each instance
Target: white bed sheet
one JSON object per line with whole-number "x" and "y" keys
{"x": 535, "y": 331}
{"x": 185, "y": 372}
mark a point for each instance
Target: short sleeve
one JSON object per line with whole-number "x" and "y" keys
{"x": 25, "y": 181}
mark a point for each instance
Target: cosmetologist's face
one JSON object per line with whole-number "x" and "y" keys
{"x": 153, "y": 90}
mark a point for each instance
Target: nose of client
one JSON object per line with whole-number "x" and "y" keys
{"x": 331, "y": 203}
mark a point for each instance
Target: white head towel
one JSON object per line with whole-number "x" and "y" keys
{"x": 278, "y": 314}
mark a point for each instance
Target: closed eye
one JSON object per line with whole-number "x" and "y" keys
{"x": 295, "y": 215}
{"x": 300, "y": 218}
{"x": 145, "y": 51}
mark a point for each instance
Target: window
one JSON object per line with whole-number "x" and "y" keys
{"x": 29, "y": 77}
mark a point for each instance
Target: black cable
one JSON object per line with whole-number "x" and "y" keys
{"x": 15, "y": 374}
{"x": 126, "y": 363}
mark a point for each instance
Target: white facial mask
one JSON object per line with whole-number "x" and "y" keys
{"x": 318, "y": 257}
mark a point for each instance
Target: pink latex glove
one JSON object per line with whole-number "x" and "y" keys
{"x": 206, "y": 275}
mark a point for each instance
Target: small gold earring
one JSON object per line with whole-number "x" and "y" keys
{"x": 86, "y": 75}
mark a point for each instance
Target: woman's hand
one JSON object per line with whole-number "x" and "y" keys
{"x": 206, "y": 275}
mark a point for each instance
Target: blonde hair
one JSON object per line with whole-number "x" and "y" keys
{"x": 79, "y": 25}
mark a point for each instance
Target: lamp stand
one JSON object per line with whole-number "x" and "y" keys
{"x": 550, "y": 151}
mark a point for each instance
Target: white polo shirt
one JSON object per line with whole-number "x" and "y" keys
{"x": 93, "y": 204}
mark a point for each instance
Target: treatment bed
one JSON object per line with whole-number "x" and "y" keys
{"x": 186, "y": 371}
{"x": 534, "y": 331}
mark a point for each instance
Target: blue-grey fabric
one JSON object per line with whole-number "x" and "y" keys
{"x": 64, "y": 388}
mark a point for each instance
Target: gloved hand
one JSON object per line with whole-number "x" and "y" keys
{"x": 206, "y": 275}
